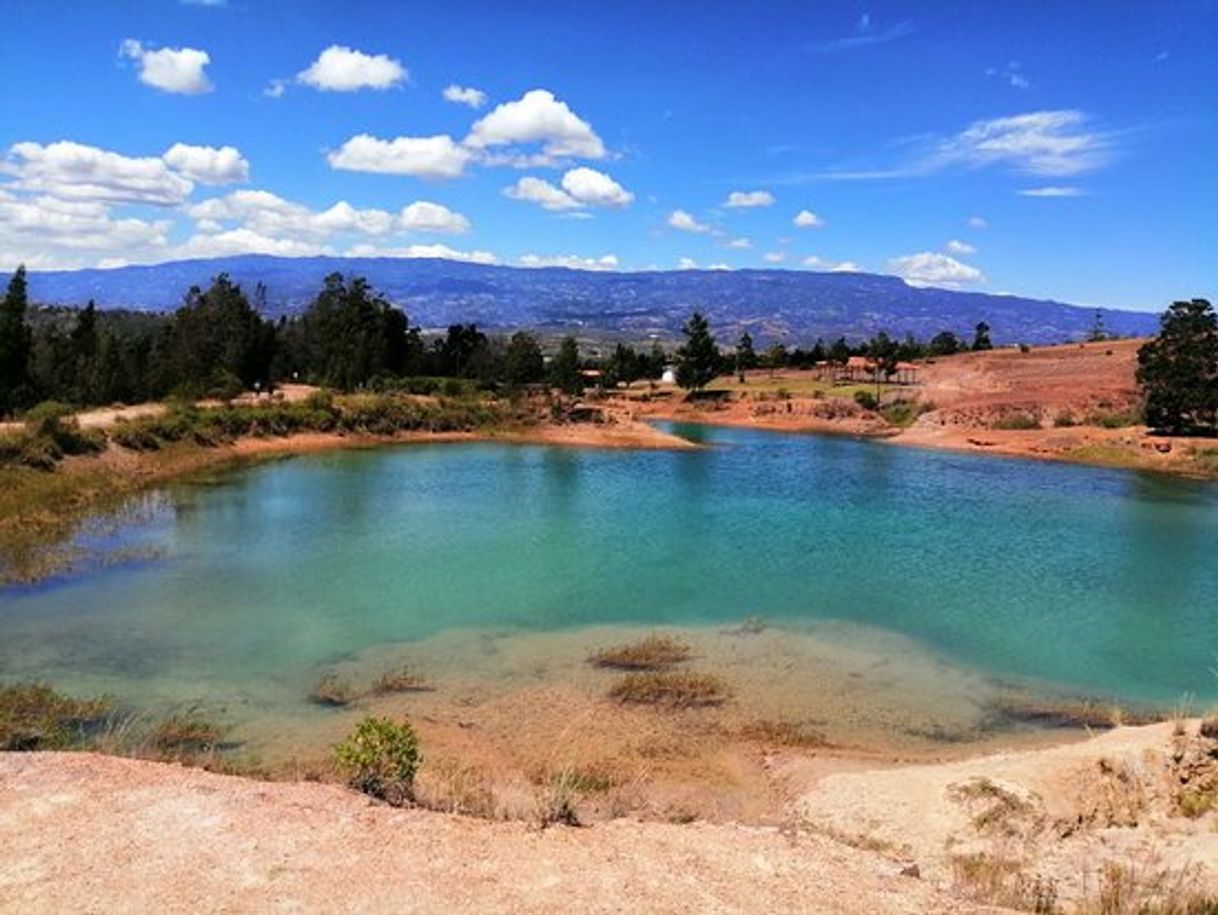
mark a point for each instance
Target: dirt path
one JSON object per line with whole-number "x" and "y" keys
{"x": 92, "y": 833}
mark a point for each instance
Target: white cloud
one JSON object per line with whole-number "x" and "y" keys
{"x": 1037, "y": 143}
{"x": 570, "y": 261}
{"x": 207, "y": 164}
{"x": 740, "y": 244}
{"x": 275, "y": 88}
{"x": 537, "y": 117}
{"x": 720, "y": 266}
{"x": 774, "y": 257}
{"x": 48, "y": 232}
{"x": 267, "y": 214}
{"x": 1052, "y": 192}
{"x": 420, "y": 251}
{"x": 806, "y": 219}
{"x": 680, "y": 219}
{"x": 748, "y": 199}
{"x": 541, "y": 192}
{"x": 465, "y": 95}
{"x": 686, "y": 263}
{"x": 1012, "y": 74}
{"x": 73, "y": 171}
{"x": 245, "y": 241}
{"x": 955, "y": 246}
{"x": 820, "y": 263}
{"x": 342, "y": 69}
{"x": 977, "y": 222}
{"x": 581, "y": 187}
{"x": 928, "y": 268}
{"x": 421, "y": 157}
{"x": 593, "y": 188}
{"x": 425, "y": 216}
{"x": 177, "y": 70}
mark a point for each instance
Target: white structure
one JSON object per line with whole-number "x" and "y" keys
{"x": 670, "y": 375}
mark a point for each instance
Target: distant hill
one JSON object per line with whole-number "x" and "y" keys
{"x": 797, "y": 306}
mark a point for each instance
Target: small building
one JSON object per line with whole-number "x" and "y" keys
{"x": 669, "y": 375}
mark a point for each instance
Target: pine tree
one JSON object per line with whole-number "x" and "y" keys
{"x": 16, "y": 343}
{"x": 698, "y": 359}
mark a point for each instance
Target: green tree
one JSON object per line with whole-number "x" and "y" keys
{"x": 624, "y": 366}
{"x": 351, "y": 334}
{"x": 776, "y": 357}
{"x": 1097, "y": 334}
{"x": 564, "y": 368}
{"x": 885, "y": 355}
{"x": 16, "y": 342}
{"x": 698, "y": 358}
{"x": 218, "y": 341}
{"x": 746, "y": 357}
{"x": 524, "y": 363}
{"x": 1178, "y": 370}
{"x": 945, "y": 343}
{"x": 981, "y": 337}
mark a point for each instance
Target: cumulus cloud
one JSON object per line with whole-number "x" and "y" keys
{"x": 581, "y": 187}
{"x": 73, "y": 171}
{"x": 686, "y": 263}
{"x": 749, "y": 199}
{"x": 541, "y": 192}
{"x": 464, "y": 95}
{"x": 246, "y": 241}
{"x": 1052, "y": 192}
{"x": 806, "y": 219}
{"x": 536, "y": 118}
{"x": 207, "y": 164}
{"x": 929, "y": 268}
{"x": 977, "y": 222}
{"x": 820, "y": 263}
{"x": 49, "y": 232}
{"x": 342, "y": 69}
{"x": 593, "y": 188}
{"x": 740, "y": 244}
{"x": 269, "y": 215}
{"x": 442, "y": 252}
{"x": 955, "y": 246}
{"x": 684, "y": 221}
{"x": 425, "y": 216}
{"x": 177, "y": 70}
{"x": 774, "y": 257}
{"x": 570, "y": 261}
{"x": 421, "y": 157}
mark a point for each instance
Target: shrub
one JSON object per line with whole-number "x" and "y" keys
{"x": 866, "y": 400}
{"x": 677, "y": 689}
{"x": 332, "y": 691}
{"x": 1112, "y": 419}
{"x": 1017, "y": 421}
{"x": 1064, "y": 420}
{"x": 380, "y": 758}
{"x": 654, "y": 652}
{"x": 904, "y": 412}
{"x": 33, "y": 716}
{"x": 185, "y": 733}
{"x": 400, "y": 681}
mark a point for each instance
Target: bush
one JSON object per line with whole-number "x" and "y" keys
{"x": 866, "y": 400}
{"x": 380, "y": 758}
{"x": 654, "y": 652}
{"x": 1064, "y": 420}
{"x": 674, "y": 690}
{"x": 1112, "y": 419}
{"x": 1017, "y": 421}
{"x": 35, "y": 717}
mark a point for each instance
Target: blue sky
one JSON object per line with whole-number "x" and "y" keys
{"x": 1065, "y": 150}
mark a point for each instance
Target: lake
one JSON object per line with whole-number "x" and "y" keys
{"x": 241, "y": 590}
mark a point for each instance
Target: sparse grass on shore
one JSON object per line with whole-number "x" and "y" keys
{"x": 671, "y": 689}
{"x": 654, "y": 652}
{"x": 783, "y": 733}
{"x": 1069, "y": 712}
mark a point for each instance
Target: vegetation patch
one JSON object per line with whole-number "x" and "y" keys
{"x": 332, "y": 691}
{"x": 184, "y": 734}
{"x": 655, "y": 652}
{"x": 1016, "y": 421}
{"x": 1001, "y": 881}
{"x": 33, "y": 716}
{"x": 1069, "y": 712}
{"x": 380, "y": 758}
{"x": 671, "y": 689}
{"x": 784, "y": 733}
{"x": 400, "y": 681}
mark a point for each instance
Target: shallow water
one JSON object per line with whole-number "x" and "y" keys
{"x": 243, "y": 591}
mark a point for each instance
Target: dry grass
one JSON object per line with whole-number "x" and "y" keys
{"x": 1142, "y": 888}
{"x": 1001, "y": 881}
{"x": 184, "y": 734}
{"x": 400, "y": 681}
{"x": 670, "y": 689}
{"x": 33, "y": 716}
{"x": 655, "y": 652}
{"x": 783, "y": 734}
{"x": 332, "y": 691}
{"x": 1069, "y": 712}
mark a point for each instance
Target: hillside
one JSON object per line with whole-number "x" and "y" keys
{"x": 797, "y": 306}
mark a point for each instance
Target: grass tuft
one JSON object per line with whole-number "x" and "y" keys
{"x": 670, "y": 689}
{"x": 655, "y": 652}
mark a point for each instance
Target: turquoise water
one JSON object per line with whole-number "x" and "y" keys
{"x": 1097, "y": 580}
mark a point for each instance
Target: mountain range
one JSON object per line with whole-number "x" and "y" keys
{"x": 789, "y": 305}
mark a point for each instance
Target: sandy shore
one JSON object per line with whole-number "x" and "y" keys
{"x": 79, "y": 832}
